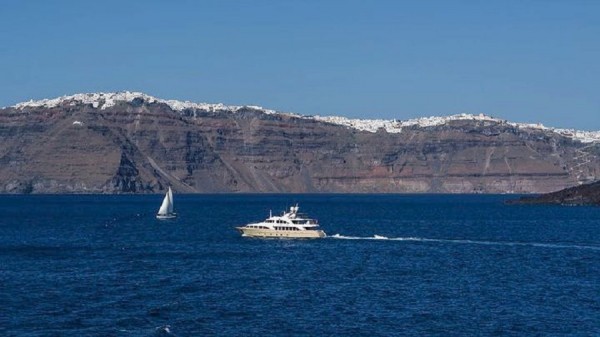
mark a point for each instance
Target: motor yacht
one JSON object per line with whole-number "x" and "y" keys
{"x": 290, "y": 224}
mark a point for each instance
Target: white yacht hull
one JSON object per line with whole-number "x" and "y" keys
{"x": 272, "y": 233}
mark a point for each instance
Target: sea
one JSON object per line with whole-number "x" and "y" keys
{"x": 392, "y": 265}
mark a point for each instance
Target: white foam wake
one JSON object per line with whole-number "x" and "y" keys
{"x": 473, "y": 242}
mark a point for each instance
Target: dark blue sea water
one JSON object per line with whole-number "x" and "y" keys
{"x": 451, "y": 265}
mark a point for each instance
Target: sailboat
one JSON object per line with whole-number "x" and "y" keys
{"x": 166, "y": 209}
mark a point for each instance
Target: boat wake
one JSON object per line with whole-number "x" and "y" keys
{"x": 472, "y": 242}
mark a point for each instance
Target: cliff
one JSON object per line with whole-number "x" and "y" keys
{"x": 135, "y": 143}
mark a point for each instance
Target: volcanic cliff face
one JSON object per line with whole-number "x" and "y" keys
{"x": 134, "y": 143}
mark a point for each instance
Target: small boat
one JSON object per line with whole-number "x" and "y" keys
{"x": 166, "y": 209}
{"x": 289, "y": 225}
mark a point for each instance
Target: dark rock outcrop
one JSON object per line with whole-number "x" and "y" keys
{"x": 587, "y": 194}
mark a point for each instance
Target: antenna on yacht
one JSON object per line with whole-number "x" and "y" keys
{"x": 270, "y": 213}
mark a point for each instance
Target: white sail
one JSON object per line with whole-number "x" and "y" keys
{"x": 166, "y": 206}
{"x": 170, "y": 194}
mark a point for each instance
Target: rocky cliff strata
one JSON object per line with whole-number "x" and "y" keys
{"x": 134, "y": 143}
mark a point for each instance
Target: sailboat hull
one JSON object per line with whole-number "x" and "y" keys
{"x": 166, "y": 216}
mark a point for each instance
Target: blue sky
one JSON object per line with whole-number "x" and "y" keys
{"x": 526, "y": 61}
